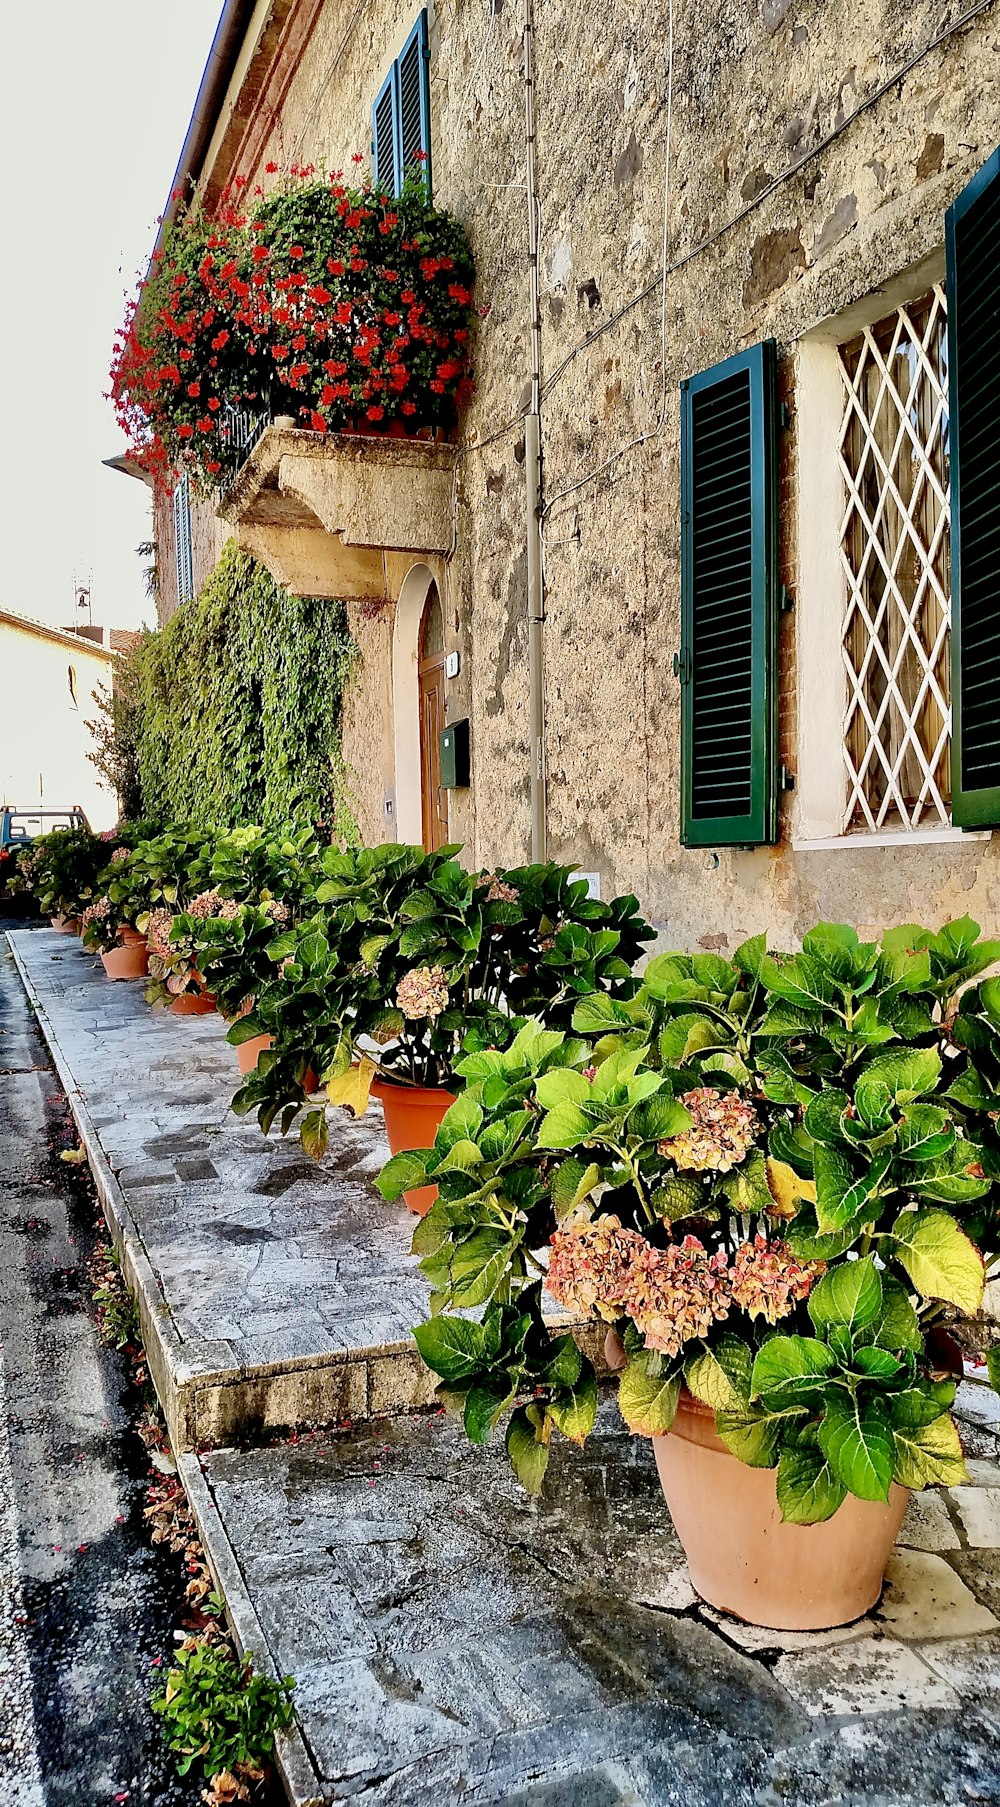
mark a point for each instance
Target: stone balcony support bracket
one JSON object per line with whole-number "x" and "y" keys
{"x": 322, "y": 510}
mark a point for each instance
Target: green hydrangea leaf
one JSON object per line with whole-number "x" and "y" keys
{"x": 856, "y": 1440}
{"x": 808, "y": 1490}
{"x": 647, "y": 1404}
{"x": 720, "y": 1376}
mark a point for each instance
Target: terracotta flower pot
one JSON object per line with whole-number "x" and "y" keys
{"x": 131, "y": 937}
{"x": 412, "y": 1116}
{"x": 126, "y": 962}
{"x": 744, "y": 1559}
{"x": 248, "y": 1053}
{"x": 65, "y": 925}
{"x": 193, "y": 1003}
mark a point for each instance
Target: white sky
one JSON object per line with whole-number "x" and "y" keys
{"x": 97, "y": 99}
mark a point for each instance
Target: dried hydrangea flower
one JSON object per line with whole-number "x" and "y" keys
{"x": 499, "y": 890}
{"x": 98, "y": 911}
{"x": 120, "y": 853}
{"x": 276, "y": 910}
{"x": 767, "y": 1279}
{"x": 676, "y": 1293}
{"x": 158, "y": 932}
{"x": 722, "y": 1131}
{"x": 205, "y": 904}
{"x": 590, "y": 1264}
{"x": 422, "y": 992}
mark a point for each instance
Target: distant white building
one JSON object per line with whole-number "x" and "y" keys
{"x": 48, "y": 677}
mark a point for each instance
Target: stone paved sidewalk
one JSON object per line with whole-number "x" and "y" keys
{"x": 456, "y": 1642}
{"x": 275, "y": 1290}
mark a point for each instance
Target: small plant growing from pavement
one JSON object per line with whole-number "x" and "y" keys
{"x": 218, "y": 1712}
{"x": 773, "y": 1177}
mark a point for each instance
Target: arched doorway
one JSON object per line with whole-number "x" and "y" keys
{"x": 430, "y": 680}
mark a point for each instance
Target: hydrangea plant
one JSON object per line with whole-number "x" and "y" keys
{"x": 411, "y": 959}
{"x": 774, "y": 1176}
{"x": 61, "y": 869}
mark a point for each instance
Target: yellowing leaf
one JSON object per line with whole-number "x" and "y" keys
{"x": 787, "y": 1189}
{"x": 74, "y": 1156}
{"x": 353, "y": 1088}
{"x": 940, "y": 1259}
{"x": 930, "y": 1455}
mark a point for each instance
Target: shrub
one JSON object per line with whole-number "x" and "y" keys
{"x": 410, "y": 959}
{"x": 217, "y": 1711}
{"x": 773, "y": 1175}
{"x": 235, "y": 706}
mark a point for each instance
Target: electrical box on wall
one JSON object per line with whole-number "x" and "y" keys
{"x": 455, "y": 762}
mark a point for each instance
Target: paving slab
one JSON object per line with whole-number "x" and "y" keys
{"x": 455, "y": 1642}
{"x": 273, "y": 1291}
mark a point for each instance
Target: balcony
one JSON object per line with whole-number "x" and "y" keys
{"x": 325, "y": 512}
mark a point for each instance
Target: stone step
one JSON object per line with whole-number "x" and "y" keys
{"x": 273, "y": 1291}
{"x": 457, "y": 1644}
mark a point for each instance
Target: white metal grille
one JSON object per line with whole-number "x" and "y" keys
{"x": 895, "y": 552}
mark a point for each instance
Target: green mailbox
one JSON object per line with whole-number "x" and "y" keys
{"x": 455, "y": 766}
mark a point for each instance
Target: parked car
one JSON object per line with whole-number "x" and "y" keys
{"x": 19, "y": 827}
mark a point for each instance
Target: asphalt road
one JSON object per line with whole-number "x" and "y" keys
{"x": 87, "y": 1606}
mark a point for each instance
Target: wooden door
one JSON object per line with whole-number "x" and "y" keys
{"x": 434, "y": 803}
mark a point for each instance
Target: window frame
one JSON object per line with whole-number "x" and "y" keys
{"x": 418, "y": 35}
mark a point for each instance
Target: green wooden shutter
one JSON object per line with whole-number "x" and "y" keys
{"x": 973, "y": 241}
{"x": 727, "y": 662}
{"x": 384, "y": 154}
{"x": 414, "y": 104}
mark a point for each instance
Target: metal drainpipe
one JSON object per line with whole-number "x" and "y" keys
{"x": 533, "y": 469}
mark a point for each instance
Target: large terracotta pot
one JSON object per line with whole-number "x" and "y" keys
{"x": 741, "y": 1555}
{"x": 65, "y": 925}
{"x": 248, "y": 1053}
{"x": 126, "y": 962}
{"x": 412, "y": 1116}
{"x": 131, "y": 937}
{"x": 192, "y": 1003}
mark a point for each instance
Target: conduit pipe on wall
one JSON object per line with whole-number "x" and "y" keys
{"x": 533, "y": 469}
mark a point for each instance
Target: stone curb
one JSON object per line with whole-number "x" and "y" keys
{"x": 298, "y": 1771}
{"x": 206, "y": 1395}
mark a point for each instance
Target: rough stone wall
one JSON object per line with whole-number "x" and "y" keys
{"x": 757, "y": 90}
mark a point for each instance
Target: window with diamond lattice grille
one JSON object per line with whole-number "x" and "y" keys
{"x": 895, "y": 551}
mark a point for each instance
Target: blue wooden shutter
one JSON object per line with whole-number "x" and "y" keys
{"x": 415, "y": 104}
{"x": 183, "y": 563}
{"x": 727, "y": 662}
{"x": 385, "y": 156}
{"x": 973, "y": 241}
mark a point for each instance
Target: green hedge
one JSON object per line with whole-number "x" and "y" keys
{"x": 237, "y": 705}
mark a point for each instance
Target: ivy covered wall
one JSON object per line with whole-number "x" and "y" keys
{"x": 237, "y": 704}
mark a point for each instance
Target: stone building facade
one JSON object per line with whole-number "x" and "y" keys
{"x": 789, "y": 163}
